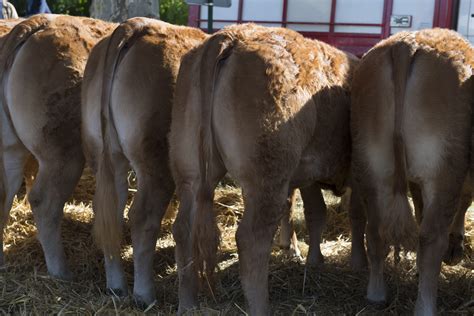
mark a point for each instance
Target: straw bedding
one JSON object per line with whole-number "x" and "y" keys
{"x": 332, "y": 289}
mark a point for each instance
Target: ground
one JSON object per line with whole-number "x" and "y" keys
{"x": 332, "y": 289}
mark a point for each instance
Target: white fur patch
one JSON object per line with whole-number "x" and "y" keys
{"x": 424, "y": 154}
{"x": 380, "y": 158}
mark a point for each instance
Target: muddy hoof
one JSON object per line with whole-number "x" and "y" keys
{"x": 455, "y": 250}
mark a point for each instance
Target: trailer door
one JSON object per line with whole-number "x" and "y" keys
{"x": 466, "y": 19}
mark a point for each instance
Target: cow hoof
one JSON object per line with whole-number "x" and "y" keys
{"x": 186, "y": 305}
{"x": 378, "y": 304}
{"x": 144, "y": 297}
{"x": 63, "y": 275}
{"x": 182, "y": 310}
{"x": 142, "y": 303}
{"x": 120, "y": 293}
{"x": 377, "y": 293}
{"x": 455, "y": 250}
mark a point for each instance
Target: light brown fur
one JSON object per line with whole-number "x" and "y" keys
{"x": 5, "y": 27}
{"x": 127, "y": 98}
{"x": 272, "y": 108}
{"x": 411, "y": 121}
{"x": 42, "y": 62}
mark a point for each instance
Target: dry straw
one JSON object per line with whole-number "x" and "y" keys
{"x": 333, "y": 289}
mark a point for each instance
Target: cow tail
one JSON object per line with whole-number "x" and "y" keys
{"x": 398, "y": 224}
{"x": 205, "y": 233}
{"x": 108, "y": 218}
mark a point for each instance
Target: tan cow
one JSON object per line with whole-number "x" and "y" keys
{"x": 272, "y": 108}
{"x": 127, "y": 98}
{"x": 41, "y": 67}
{"x": 411, "y": 121}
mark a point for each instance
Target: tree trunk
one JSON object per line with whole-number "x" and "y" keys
{"x": 120, "y": 10}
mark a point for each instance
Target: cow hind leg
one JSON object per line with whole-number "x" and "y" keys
{"x": 13, "y": 159}
{"x": 379, "y": 199}
{"x": 288, "y": 239}
{"x": 389, "y": 222}
{"x": 188, "y": 276}
{"x": 377, "y": 250}
{"x": 264, "y": 206}
{"x": 440, "y": 199}
{"x": 315, "y": 215}
{"x": 149, "y": 206}
{"x": 358, "y": 221}
{"x": 455, "y": 250}
{"x": 56, "y": 180}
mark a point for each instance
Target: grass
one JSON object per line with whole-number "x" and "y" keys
{"x": 333, "y": 289}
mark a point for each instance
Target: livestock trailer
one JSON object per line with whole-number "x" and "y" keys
{"x": 352, "y": 25}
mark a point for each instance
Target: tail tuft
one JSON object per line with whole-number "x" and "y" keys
{"x": 107, "y": 219}
{"x": 398, "y": 226}
{"x": 206, "y": 235}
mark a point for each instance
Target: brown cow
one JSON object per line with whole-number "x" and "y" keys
{"x": 127, "y": 98}
{"x": 272, "y": 108}
{"x": 41, "y": 67}
{"x": 411, "y": 121}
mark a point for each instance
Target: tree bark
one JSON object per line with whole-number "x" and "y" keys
{"x": 120, "y": 10}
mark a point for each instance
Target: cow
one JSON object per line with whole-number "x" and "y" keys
{"x": 41, "y": 66}
{"x": 272, "y": 108}
{"x": 411, "y": 123}
{"x": 127, "y": 97}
